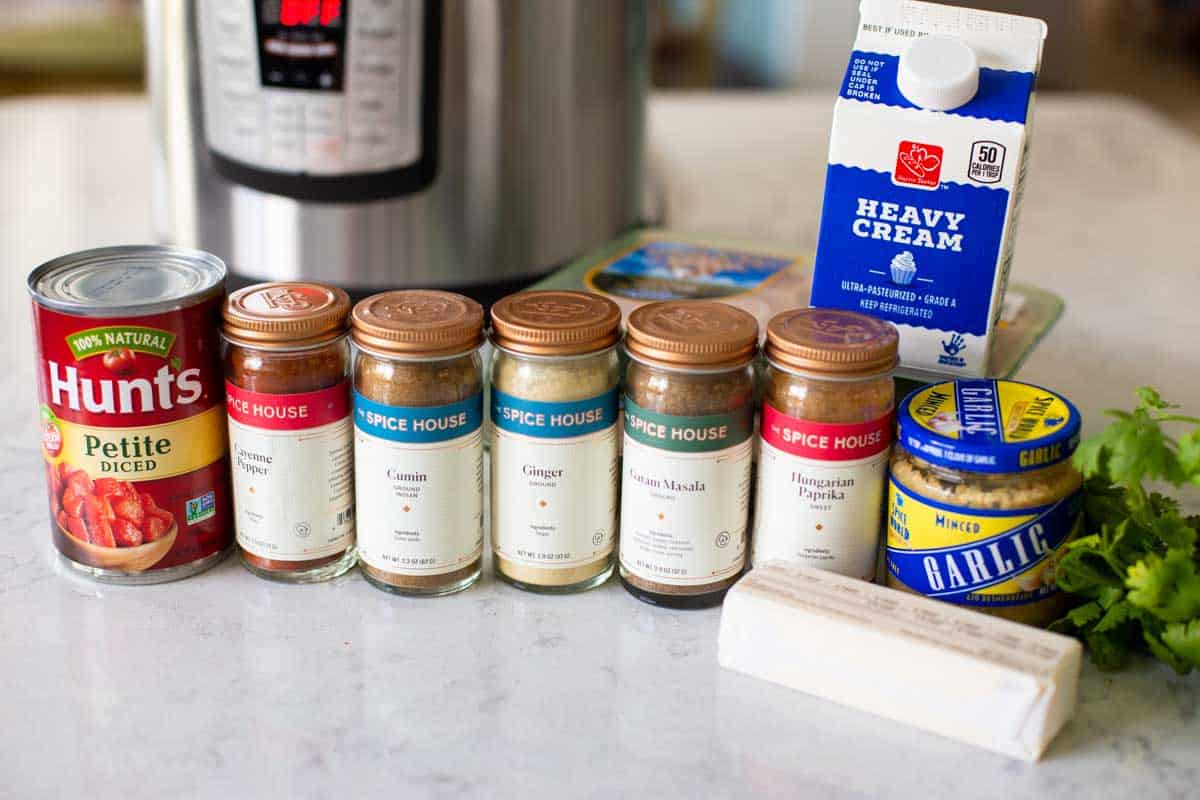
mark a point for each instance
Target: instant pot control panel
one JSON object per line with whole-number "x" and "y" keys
{"x": 321, "y": 100}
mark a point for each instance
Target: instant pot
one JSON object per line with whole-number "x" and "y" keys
{"x": 469, "y": 144}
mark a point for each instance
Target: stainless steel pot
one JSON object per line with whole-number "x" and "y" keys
{"x": 380, "y": 143}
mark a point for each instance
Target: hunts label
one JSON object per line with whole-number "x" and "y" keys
{"x": 687, "y": 434}
{"x": 138, "y": 338}
{"x": 132, "y": 407}
{"x": 288, "y": 412}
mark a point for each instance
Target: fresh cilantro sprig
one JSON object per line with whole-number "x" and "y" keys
{"x": 1135, "y": 562}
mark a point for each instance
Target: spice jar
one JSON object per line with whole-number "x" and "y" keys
{"x": 983, "y": 496}
{"x": 825, "y": 437}
{"x": 554, "y": 399}
{"x": 418, "y": 442}
{"x": 689, "y": 415}
{"x": 288, "y": 395}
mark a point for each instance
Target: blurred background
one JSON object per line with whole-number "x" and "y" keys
{"x": 1146, "y": 48}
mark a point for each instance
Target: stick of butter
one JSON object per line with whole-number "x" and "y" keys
{"x": 949, "y": 670}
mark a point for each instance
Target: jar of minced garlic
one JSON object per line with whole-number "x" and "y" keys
{"x": 826, "y": 433}
{"x": 287, "y": 388}
{"x": 689, "y": 418}
{"x": 554, "y": 398}
{"x": 983, "y": 496}
{"x": 418, "y": 442}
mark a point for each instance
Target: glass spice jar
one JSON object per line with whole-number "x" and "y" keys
{"x": 689, "y": 417}
{"x": 983, "y": 497}
{"x": 826, "y": 432}
{"x": 287, "y": 364}
{"x": 555, "y": 381}
{"x": 418, "y": 442}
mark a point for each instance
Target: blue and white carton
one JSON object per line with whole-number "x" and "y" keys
{"x": 926, "y": 166}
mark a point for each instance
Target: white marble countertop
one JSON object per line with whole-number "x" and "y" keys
{"x": 224, "y": 685}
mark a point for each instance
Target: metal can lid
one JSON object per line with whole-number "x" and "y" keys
{"x": 832, "y": 341}
{"x": 286, "y": 313}
{"x": 418, "y": 322}
{"x": 692, "y": 333}
{"x": 555, "y": 323}
{"x": 130, "y": 279}
{"x": 984, "y": 425}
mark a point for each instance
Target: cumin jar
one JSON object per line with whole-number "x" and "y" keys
{"x": 689, "y": 419}
{"x": 287, "y": 367}
{"x": 825, "y": 436}
{"x": 555, "y": 379}
{"x": 418, "y": 441}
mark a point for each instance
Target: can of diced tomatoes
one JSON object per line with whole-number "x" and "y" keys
{"x": 132, "y": 414}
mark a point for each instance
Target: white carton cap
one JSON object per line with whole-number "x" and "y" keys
{"x": 938, "y": 72}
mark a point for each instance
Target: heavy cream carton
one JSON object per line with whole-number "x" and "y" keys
{"x": 926, "y": 165}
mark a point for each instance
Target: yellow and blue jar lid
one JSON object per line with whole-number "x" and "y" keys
{"x": 985, "y": 425}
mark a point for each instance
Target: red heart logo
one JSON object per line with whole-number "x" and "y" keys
{"x": 918, "y": 163}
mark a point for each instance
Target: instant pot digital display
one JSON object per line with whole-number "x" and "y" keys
{"x": 302, "y": 44}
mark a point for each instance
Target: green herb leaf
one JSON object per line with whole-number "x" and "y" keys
{"x": 1174, "y": 532}
{"x": 1151, "y": 398}
{"x": 1168, "y": 587}
{"x": 1109, "y": 650}
{"x": 1119, "y": 614}
{"x": 1164, "y": 653}
{"x": 1084, "y": 614}
{"x": 1085, "y": 572}
{"x": 1184, "y": 641}
{"x": 1189, "y": 456}
{"x": 1110, "y": 596}
{"x": 1134, "y": 558}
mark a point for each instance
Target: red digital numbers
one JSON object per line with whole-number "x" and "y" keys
{"x": 309, "y": 12}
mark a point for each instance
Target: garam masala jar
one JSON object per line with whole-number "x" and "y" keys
{"x": 689, "y": 418}
{"x": 983, "y": 496}
{"x": 555, "y": 379}
{"x": 825, "y": 436}
{"x": 287, "y": 363}
{"x": 418, "y": 441}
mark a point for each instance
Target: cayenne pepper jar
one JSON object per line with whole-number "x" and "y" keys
{"x": 689, "y": 418}
{"x": 287, "y": 384}
{"x": 418, "y": 443}
{"x": 826, "y": 433}
{"x": 554, "y": 400}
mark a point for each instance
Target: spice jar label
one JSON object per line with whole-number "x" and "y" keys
{"x": 976, "y": 557}
{"x": 287, "y": 412}
{"x": 826, "y": 441}
{"x": 820, "y": 491}
{"x": 552, "y": 458}
{"x": 563, "y": 420}
{"x": 292, "y": 455}
{"x": 685, "y": 496}
{"x": 419, "y": 471}
{"x": 687, "y": 434}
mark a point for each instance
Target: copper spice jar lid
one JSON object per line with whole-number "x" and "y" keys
{"x": 832, "y": 341}
{"x": 418, "y": 323}
{"x": 692, "y": 333}
{"x": 555, "y": 323}
{"x": 285, "y": 313}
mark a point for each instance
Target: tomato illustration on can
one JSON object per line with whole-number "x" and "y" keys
{"x": 132, "y": 416}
